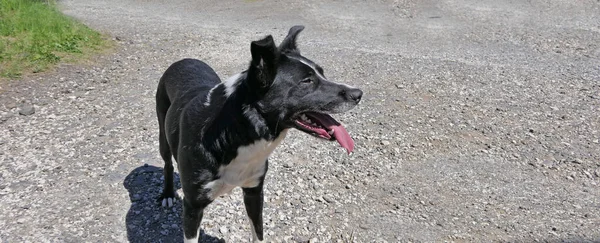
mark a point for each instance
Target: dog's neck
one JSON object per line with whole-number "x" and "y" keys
{"x": 239, "y": 120}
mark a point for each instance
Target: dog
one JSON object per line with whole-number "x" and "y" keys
{"x": 222, "y": 133}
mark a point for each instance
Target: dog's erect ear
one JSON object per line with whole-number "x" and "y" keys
{"x": 263, "y": 51}
{"x": 264, "y": 62}
{"x": 289, "y": 43}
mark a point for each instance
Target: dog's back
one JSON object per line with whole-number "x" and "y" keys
{"x": 186, "y": 79}
{"x": 185, "y": 82}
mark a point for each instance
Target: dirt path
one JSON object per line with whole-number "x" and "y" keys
{"x": 479, "y": 123}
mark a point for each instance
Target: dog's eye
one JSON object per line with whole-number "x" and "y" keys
{"x": 306, "y": 81}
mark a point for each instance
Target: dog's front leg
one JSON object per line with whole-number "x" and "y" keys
{"x": 253, "y": 200}
{"x": 192, "y": 216}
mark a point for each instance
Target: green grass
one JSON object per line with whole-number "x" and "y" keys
{"x": 34, "y": 36}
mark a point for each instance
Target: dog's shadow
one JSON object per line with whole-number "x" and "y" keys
{"x": 147, "y": 220}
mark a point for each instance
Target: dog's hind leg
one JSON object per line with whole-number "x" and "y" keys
{"x": 162, "y": 106}
{"x": 168, "y": 194}
{"x": 253, "y": 200}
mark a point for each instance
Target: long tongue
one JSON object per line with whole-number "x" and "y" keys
{"x": 339, "y": 132}
{"x": 343, "y": 138}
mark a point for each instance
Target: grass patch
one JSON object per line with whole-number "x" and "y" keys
{"x": 34, "y": 36}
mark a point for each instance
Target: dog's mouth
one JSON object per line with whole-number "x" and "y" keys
{"x": 324, "y": 126}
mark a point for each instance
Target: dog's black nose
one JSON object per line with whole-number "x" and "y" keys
{"x": 354, "y": 94}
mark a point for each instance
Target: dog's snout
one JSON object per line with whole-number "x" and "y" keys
{"x": 354, "y": 94}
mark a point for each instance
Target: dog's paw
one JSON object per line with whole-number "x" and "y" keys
{"x": 167, "y": 199}
{"x": 168, "y": 202}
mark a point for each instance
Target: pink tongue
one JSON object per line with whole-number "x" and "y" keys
{"x": 343, "y": 138}
{"x": 339, "y": 132}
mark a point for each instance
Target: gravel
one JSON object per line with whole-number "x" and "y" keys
{"x": 479, "y": 123}
{"x": 27, "y": 110}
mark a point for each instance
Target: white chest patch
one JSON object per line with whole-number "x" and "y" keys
{"x": 245, "y": 169}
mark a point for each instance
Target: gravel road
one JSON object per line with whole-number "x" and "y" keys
{"x": 480, "y": 122}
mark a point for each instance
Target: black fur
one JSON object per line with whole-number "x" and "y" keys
{"x": 203, "y": 127}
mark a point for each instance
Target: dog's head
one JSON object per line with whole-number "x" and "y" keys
{"x": 293, "y": 91}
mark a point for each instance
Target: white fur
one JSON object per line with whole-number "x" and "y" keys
{"x": 319, "y": 74}
{"x": 207, "y": 102}
{"x": 167, "y": 202}
{"x": 245, "y": 169}
{"x": 192, "y": 240}
{"x": 231, "y": 84}
{"x": 342, "y": 108}
{"x": 218, "y": 187}
{"x": 311, "y": 66}
{"x": 254, "y": 236}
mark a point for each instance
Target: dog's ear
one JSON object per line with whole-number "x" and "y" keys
{"x": 264, "y": 62}
{"x": 289, "y": 43}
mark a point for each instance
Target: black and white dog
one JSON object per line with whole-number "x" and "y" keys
{"x": 221, "y": 134}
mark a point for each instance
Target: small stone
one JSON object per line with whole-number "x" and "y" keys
{"x": 10, "y": 105}
{"x": 27, "y": 110}
{"x": 385, "y": 142}
{"x": 328, "y": 199}
{"x": 42, "y": 102}
{"x": 288, "y": 164}
{"x": 223, "y": 230}
{"x": 302, "y": 239}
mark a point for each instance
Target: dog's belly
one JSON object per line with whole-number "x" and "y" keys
{"x": 245, "y": 169}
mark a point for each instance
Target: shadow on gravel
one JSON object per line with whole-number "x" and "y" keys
{"x": 147, "y": 220}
